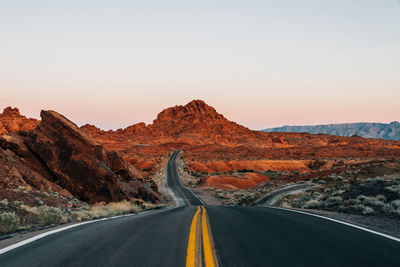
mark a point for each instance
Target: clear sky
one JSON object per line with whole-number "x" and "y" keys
{"x": 260, "y": 63}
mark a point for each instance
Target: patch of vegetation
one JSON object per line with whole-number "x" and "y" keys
{"x": 25, "y": 217}
{"x": 9, "y": 222}
{"x": 367, "y": 197}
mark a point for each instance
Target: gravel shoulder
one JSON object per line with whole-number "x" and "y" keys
{"x": 390, "y": 226}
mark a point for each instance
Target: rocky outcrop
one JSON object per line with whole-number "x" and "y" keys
{"x": 194, "y": 124}
{"x": 59, "y": 152}
{"x": 12, "y": 121}
{"x": 198, "y": 123}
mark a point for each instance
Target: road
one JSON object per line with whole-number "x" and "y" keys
{"x": 210, "y": 236}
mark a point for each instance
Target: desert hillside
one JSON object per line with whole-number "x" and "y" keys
{"x": 224, "y": 154}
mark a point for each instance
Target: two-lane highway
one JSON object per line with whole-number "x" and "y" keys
{"x": 191, "y": 235}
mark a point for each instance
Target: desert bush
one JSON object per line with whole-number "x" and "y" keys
{"x": 363, "y": 209}
{"x": 311, "y": 204}
{"x": 368, "y": 210}
{"x": 316, "y": 194}
{"x": 395, "y": 204}
{"x": 372, "y": 202}
{"x": 333, "y": 201}
{"x": 79, "y": 216}
{"x": 4, "y": 202}
{"x": 97, "y": 212}
{"x": 381, "y": 198}
{"x": 17, "y": 203}
{"x": 328, "y": 190}
{"x": 286, "y": 205}
{"x": 50, "y": 215}
{"x": 305, "y": 197}
{"x": 123, "y": 207}
{"x": 9, "y": 222}
{"x": 394, "y": 189}
{"x": 392, "y": 208}
{"x": 338, "y": 192}
{"x": 352, "y": 202}
{"x": 359, "y": 208}
{"x": 120, "y": 208}
{"x": 38, "y": 202}
{"x": 387, "y": 208}
{"x": 361, "y": 198}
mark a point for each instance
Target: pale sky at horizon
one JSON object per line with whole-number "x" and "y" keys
{"x": 260, "y": 63}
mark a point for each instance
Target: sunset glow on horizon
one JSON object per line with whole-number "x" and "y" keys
{"x": 260, "y": 63}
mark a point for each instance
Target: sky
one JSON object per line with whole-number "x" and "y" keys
{"x": 260, "y": 63}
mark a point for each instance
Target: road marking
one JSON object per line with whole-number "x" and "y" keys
{"x": 342, "y": 222}
{"x": 201, "y": 201}
{"x": 40, "y": 236}
{"x": 208, "y": 251}
{"x": 191, "y": 249}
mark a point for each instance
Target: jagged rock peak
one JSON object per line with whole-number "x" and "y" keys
{"x": 11, "y": 111}
{"x": 196, "y": 110}
{"x": 199, "y": 106}
{"x": 12, "y": 121}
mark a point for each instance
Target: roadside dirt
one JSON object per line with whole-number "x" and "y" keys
{"x": 381, "y": 224}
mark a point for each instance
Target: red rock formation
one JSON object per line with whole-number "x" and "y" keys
{"x": 212, "y": 144}
{"x": 59, "y": 152}
{"x": 207, "y": 136}
{"x": 193, "y": 124}
{"x": 12, "y": 121}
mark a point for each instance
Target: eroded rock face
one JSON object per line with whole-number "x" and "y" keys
{"x": 12, "y": 121}
{"x": 23, "y": 176}
{"x": 80, "y": 164}
{"x": 57, "y": 155}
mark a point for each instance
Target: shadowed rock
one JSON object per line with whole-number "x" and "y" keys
{"x": 59, "y": 151}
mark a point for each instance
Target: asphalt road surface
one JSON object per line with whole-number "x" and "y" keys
{"x": 216, "y": 235}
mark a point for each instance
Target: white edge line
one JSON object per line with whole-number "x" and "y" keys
{"x": 342, "y": 222}
{"x": 194, "y": 194}
{"x": 40, "y": 236}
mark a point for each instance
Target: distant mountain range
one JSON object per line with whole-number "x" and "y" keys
{"x": 390, "y": 131}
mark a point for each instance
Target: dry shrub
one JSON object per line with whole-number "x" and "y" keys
{"x": 50, "y": 215}
{"x": 9, "y": 222}
{"x": 79, "y": 216}
{"x": 119, "y": 208}
{"x": 311, "y": 204}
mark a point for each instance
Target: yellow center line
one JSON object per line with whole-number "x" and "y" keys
{"x": 191, "y": 250}
{"x": 208, "y": 253}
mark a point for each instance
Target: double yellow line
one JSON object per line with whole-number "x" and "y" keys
{"x": 194, "y": 249}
